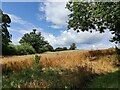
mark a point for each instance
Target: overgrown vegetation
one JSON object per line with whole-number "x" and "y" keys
{"x": 15, "y": 79}
{"x": 39, "y": 77}
{"x": 59, "y": 70}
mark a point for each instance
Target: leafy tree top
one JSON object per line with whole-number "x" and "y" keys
{"x": 99, "y": 16}
{"x": 34, "y": 39}
{"x": 73, "y": 46}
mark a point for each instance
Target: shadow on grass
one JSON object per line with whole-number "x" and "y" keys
{"x": 110, "y": 80}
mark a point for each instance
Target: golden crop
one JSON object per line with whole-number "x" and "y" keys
{"x": 97, "y": 61}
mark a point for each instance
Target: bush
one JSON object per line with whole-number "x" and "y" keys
{"x": 11, "y": 50}
{"x": 117, "y": 50}
{"x": 25, "y": 49}
{"x": 44, "y": 49}
{"x": 59, "y": 49}
{"x": 37, "y": 58}
{"x": 64, "y": 48}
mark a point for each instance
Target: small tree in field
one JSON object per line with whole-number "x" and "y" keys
{"x": 73, "y": 46}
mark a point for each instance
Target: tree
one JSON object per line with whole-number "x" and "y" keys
{"x": 24, "y": 49}
{"x": 99, "y": 16}
{"x": 64, "y": 48}
{"x": 59, "y": 49}
{"x": 36, "y": 40}
{"x": 73, "y": 46}
{"x": 6, "y": 37}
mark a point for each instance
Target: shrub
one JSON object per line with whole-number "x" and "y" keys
{"x": 64, "y": 48}
{"x": 37, "y": 58}
{"x": 59, "y": 49}
{"x": 117, "y": 50}
{"x": 11, "y": 50}
{"x": 43, "y": 49}
{"x": 25, "y": 49}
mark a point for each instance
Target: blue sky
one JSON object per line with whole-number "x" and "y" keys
{"x": 50, "y": 19}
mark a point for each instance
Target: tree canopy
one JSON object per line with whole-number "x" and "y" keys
{"x": 6, "y": 37}
{"x": 36, "y": 40}
{"x": 99, "y": 16}
{"x": 73, "y": 46}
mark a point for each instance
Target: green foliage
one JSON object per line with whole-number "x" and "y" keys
{"x": 5, "y": 33}
{"x": 36, "y": 40}
{"x": 61, "y": 49}
{"x": 110, "y": 80}
{"x": 99, "y": 16}
{"x": 64, "y": 48}
{"x": 54, "y": 77}
{"x": 25, "y": 49}
{"x": 49, "y": 47}
{"x": 117, "y": 50}
{"x": 11, "y": 50}
{"x": 43, "y": 49}
{"x": 19, "y": 78}
{"x": 73, "y": 46}
{"x": 37, "y": 58}
{"x": 117, "y": 53}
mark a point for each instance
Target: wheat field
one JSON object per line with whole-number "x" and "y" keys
{"x": 96, "y": 61}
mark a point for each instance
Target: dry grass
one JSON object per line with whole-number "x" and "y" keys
{"x": 104, "y": 60}
{"x": 16, "y": 62}
{"x": 96, "y": 61}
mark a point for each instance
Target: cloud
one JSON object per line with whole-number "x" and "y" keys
{"x": 55, "y": 12}
{"x": 16, "y": 19}
{"x": 83, "y": 39}
{"x": 103, "y": 45}
{"x": 21, "y": 26}
{"x": 55, "y": 26}
{"x": 16, "y": 41}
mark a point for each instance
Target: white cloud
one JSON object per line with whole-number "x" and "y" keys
{"x": 16, "y": 41}
{"x": 92, "y": 40}
{"x": 55, "y": 12}
{"x": 55, "y": 26}
{"x": 16, "y": 19}
{"x": 84, "y": 40}
{"x": 26, "y": 26}
{"x": 22, "y": 27}
{"x": 118, "y": 45}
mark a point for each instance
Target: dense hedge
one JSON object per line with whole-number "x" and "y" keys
{"x": 25, "y": 49}
{"x": 22, "y": 49}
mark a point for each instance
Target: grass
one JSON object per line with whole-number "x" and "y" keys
{"x": 66, "y": 69}
{"x": 110, "y": 80}
{"x": 49, "y": 78}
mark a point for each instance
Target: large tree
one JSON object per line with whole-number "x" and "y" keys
{"x": 99, "y": 16}
{"x": 36, "y": 40}
{"x": 5, "y": 35}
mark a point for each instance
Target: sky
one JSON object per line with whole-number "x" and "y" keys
{"x": 50, "y": 18}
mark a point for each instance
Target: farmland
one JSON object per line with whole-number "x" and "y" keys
{"x": 65, "y": 69}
